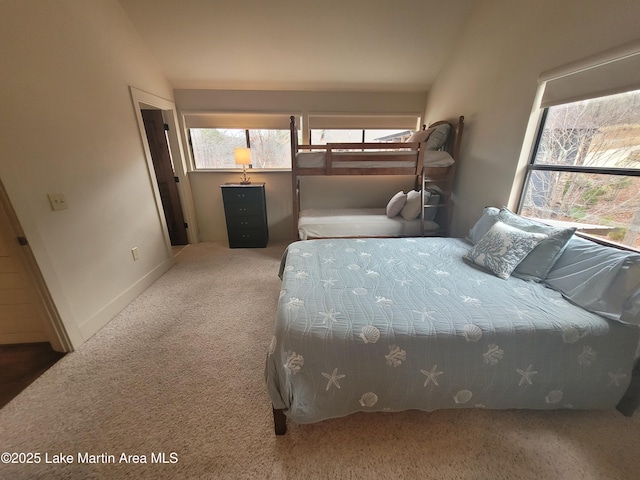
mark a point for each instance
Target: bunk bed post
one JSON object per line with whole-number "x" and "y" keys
{"x": 455, "y": 151}
{"x": 458, "y": 137}
{"x": 294, "y": 175}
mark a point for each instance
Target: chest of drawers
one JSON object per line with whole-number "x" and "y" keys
{"x": 245, "y": 210}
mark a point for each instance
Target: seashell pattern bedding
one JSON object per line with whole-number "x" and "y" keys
{"x": 405, "y": 323}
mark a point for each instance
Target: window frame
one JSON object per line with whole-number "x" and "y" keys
{"x": 363, "y": 132}
{"x": 251, "y": 167}
{"x": 533, "y": 167}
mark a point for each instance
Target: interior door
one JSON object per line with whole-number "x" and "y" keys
{"x": 165, "y": 176}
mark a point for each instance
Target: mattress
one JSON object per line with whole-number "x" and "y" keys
{"x": 318, "y": 159}
{"x": 357, "y": 222}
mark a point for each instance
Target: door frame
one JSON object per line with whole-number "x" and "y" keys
{"x": 53, "y": 324}
{"x": 144, "y": 100}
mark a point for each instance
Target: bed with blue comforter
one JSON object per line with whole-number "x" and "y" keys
{"x": 398, "y": 324}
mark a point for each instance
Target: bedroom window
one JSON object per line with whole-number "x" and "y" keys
{"x": 585, "y": 167}
{"x": 324, "y": 136}
{"x": 214, "y": 135}
{"x": 212, "y": 148}
{"x": 358, "y": 127}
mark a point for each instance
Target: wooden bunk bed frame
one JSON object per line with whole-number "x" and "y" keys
{"x": 352, "y": 158}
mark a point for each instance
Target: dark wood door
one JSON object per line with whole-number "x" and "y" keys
{"x": 165, "y": 176}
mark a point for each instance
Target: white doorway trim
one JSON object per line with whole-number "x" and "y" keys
{"x": 52, "y": 322}
{"x": 142, "y": 100}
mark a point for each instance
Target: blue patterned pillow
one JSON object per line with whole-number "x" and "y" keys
{"x": 502, "y": 248}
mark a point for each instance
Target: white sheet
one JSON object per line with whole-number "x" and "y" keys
{"x": 356, "y": 222}
{"x": 317, "y": 160}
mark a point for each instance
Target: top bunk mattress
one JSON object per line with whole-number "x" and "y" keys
{"x": 356, "y": 222}
{"x": 318, "y": 159}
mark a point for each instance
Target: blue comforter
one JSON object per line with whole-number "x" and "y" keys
{"x": 398, "y": 324}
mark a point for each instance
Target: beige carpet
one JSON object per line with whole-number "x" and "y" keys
{"x": 181, "y": 370}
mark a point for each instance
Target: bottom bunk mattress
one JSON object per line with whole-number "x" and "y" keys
{"x": 357, "y": 222}
{"x": 399, "y": 324}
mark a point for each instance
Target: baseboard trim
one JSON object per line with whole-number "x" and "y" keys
{"x": 104, "y": 315}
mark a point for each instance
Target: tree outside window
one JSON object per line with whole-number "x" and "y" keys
{"x": 586, "y": 168}
{"x": 212, "y": 148}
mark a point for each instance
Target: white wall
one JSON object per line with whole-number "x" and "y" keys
{"x": 206, "y": 185}
{"x": 68, "y": 126}
{"x": 491, "y": 78}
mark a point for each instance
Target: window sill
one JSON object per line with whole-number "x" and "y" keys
{"x": 239, "y": 170}
{"x": 588, "y": 231}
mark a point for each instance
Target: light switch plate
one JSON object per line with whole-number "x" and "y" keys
{"x": 58, "y": 202}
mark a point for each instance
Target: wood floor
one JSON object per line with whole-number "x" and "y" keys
{"x": 21, "y": 364}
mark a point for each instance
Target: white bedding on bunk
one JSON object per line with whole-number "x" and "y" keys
{"x": 356, "y": 222}
{"x": 317, "y": 160}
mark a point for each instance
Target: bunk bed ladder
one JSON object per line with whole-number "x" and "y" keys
{"x": 295, "y": 179}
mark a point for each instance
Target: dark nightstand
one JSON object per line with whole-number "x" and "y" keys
{"x": 245, "y": 209}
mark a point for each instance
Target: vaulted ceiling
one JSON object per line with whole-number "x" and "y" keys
{"x": 349, "y": 45}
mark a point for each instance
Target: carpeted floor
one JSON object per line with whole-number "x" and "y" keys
{"x": 180, "y": 372}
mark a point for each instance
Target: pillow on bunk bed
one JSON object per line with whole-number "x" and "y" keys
{"x": 437, "y": 158}
{"x": 395, "y": 205}
{"x": 421, "y": 135}
{"x": 411, "y": 210}
{"x": 438, "y": 137}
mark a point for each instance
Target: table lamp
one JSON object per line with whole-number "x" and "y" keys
{"x": 242, "y": 156}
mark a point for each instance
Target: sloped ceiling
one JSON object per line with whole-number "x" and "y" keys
{"x": 348, "y": 45}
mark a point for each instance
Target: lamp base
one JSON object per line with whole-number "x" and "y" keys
{"x": 244, "y": 180}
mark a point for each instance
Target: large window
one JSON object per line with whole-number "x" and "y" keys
{"x": 213, "y": 147}
{"x": 585, "y": 169}
{"x": 324, "y": 136}
{"x": 214, "y": 135}
{"x": 356, "y": 128}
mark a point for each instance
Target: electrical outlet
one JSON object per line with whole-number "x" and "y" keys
{"x": 135, "y": 253}
{"x": 58, "y": 202}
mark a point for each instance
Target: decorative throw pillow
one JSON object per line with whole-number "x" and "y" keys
{"x": 411, "y": 209}
{"x": 395, "y": 205}
{"x": 503, "y": 248}
{"x": 421, "y": 135}
{"x": 539, "y": 262}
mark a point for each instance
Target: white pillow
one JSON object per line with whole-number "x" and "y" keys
{"x": 395, "y": 205}
{"x": 502, "y": 248}
{"x": 411, "y": 209}
{"x": 437, "y": 158}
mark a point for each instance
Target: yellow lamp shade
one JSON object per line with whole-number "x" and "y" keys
{"x": 242, "y": 156}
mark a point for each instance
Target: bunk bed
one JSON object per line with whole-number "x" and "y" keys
{"x": 432, "y": 161}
